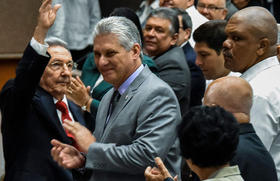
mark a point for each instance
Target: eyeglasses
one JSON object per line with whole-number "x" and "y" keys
{"x": 209, "y": 8}
{"x": 59, "y": 65}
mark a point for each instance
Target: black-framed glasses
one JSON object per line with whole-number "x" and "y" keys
{"x": 59, "y": 65}
{"x": 209, "y": 8}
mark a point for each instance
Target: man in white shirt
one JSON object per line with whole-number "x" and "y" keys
{"x": 188, "y": 5}
{"x": 145, "y": 9}
{"x": 250, "y": 48}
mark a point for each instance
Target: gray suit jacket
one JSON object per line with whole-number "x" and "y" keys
{"x": 142, "y": 126}
{"x": 174, "y": 70}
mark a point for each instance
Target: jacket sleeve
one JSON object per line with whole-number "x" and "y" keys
{"x": 17, "y": 94}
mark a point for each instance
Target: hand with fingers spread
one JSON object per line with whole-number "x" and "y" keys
{"x": 78, "y": 93}
{"x": 82, "y": 136}
{"x": 46, "y": 18}
{"x": 158, "y": 174}
{"x": 66, "y": 156}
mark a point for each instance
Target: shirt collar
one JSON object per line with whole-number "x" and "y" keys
{"x": 63, "y": 100}
{"x": 183, "y": 44}
{"x": 130, "y": 79}
{"x": 259, "y": 67}
{"x": 226, "y": 172}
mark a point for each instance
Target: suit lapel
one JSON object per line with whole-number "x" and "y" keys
{"x": 46, "y": 108}
{"x": 103, "y": 111}
{"x": 125, "y": 98}
{"x": 76, "y": 112}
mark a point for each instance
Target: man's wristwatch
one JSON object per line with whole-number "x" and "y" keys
{"x": 84, "y": 107}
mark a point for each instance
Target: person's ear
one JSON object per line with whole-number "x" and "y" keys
{"x": 263, "y": 46}
{"x": 136, "y": 50}
{"x": 174, "y": 39}
{"x": 278, "y": 51}
{"x": 225, "y": 12}
{"x": 189, "y": 3}
{"x": 187, "y": 34}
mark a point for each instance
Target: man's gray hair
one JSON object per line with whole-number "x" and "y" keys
{"x": 168, "y": 14}
{"x": 124, "y": 28}
{"x": 54, "y": 41}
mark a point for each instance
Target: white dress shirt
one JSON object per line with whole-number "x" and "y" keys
{"x": 197, "y": 20}
{"x": 264, "y": 77}
{"x": 75, "y": 22}
{"x": 145, "y": 9}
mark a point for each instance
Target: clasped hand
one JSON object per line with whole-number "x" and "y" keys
{"x": 68, "y": 156}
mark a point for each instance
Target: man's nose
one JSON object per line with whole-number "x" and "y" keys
{"x": 226, "y": 44}
{"x": 66, "y": 70}
{"x": 198, "y": 62}
{"x": 151, "y": 32}
{"x": 205, "y": 10}
{"x": 102, "y": 61}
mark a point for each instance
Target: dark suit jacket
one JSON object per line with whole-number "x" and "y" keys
{"x": 174, "y": 70}
{"x": 231, "y": 9}
{"x": 29, "y": 122}
{"x": 197, "y": 77}
{"x": 189, "y": 52}
{"x": 254, "y": 161}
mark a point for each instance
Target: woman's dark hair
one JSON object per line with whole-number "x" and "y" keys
{"x": 208, "y": 136}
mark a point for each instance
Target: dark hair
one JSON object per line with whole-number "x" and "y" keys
{"x": 186, "y": 19}
{"x": 212, "y": 33}
{"x": 208, "y": 136}
{"x": 129, "y": 14}
{"x": 169, "y": 14}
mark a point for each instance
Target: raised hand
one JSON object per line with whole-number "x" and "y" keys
{"x": 66, "y": 156}
{"x": 47, "y": 14}
{"x": 46, "y": 18}
{"x": 157, "y": 174}
{"x": 82, "y": 136}
{"x": 78, "y": 93}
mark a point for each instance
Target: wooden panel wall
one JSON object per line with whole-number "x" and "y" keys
{"x": 17, "y": 22}
{"x": 7, "y": 70}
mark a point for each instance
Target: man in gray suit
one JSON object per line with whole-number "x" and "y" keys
{"x": 132, "y": 130}
{"x": 160, "y": 37}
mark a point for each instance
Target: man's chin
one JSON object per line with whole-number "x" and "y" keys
{"x": 167, "y": 5}
{"x": 150, "y": 51}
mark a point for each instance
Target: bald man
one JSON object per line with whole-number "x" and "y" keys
{"x": 235, "y": 95}
{"x": 251, "y": 48}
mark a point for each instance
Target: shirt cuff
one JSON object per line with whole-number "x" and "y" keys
{"x": 39, "y": 48}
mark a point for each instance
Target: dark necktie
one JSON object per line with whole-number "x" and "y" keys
{"x": 61, "y": 106}
{"x": 114, "y": 100}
